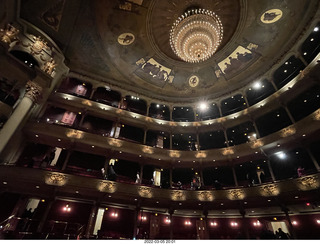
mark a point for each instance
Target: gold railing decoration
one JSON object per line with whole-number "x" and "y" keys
{"x": 269, "y": 190}
{"x": 236, "y": 194}
{"x": 256, "y": 144}
{"x": 174, "y": 154}
{"x": 308, "y": 183}
{"x": 288, "y": 131}
{"x": 144, "y": 191}
{"x": 55, "y": 179}
{"x": 227, "y": 151}
{"x": 201, "y": 155}
{"x": 205, "y": 196}
{"x": 178, "y": 195}
{"x": 316, "y": 115}
{"x": 147, "y": 150}
{"x": 74, "y": 134}
{"x": 107, "y": 186}
{"x": 114, "y": 142}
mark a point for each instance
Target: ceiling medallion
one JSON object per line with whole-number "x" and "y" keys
{"x": 271, "y": 16}
{"x": 193, "y": 81}
{"x": 196, "y": 35}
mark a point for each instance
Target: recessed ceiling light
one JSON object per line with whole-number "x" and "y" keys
{"x": 77, "y": 192}
{"x": 37, "y": 187}
{"x": 5, "y": 183}
{"x": 59, "y": 139}
{"x": 37, "y": 135}
{"x": 316, "y": 29}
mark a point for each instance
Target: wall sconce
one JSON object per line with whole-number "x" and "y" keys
{"x": 168, "y": 221}
{"x": 257, "y": 223}
{"x": 66, "y": 208}
{"x": 234, "y": 224}
{"x": 114, "y": 214}
{"x": 213, "y": 224}
{"x": 188, "y": 223}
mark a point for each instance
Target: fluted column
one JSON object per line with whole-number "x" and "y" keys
{"x": 32, "y": 94}
{"x": 92, "y": 220}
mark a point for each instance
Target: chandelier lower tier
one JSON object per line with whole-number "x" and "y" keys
{"x": 196, "y": 35}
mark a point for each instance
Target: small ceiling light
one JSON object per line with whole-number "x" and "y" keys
{"x": 312, "y": 39}
{"x": 308, "y": 204}
{"x": 294, "y": 222}
{"x": 5, "y": 183}
{"x": 59, "y": 139}
{"x": 269, "y": 200}
{"x": 281, "y": 155}
{"x": 203, "y": 106}
{"x": 275, "y": 218}
{"x": 296, "y": 197}
{"x": 77, "y": 192}
{"x": 37, "y": 135}
{"x": 257, "y": 85}
{"x": 37, "y": 187}
{"x": 43, "y": 200}
{"x": 304, "y": 53}
{"x": 316, "y": 29}
{"x": 157, "y": 105}
{"x": 318, "y": 221}
{"x": 213, "y": 224}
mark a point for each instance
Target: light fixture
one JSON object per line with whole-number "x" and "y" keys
{"x": 281, "y": 155}
{"x": 213, "y": 224}
{"x": 187, "y": 222}
{"x": 316, "y": 29}
{"x": 257, "y": 85}
{"x": 67, "y": 208}
{"x": 234, "y": 224}
{"x": 294, "y": 222}
{"x": 203, "y": 106}
{"x": 196, "y": 35}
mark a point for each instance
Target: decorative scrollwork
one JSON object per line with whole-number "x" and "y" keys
{"x": 288, "y": 131}
{"x": 56, "y": 179}
{"x": 38, "y": 45}
{"x": 178, "y": 196}
{"x": 205, "y": 196}
{"x": 308, "y": 182}
{"x": 49, "y": 66}
{"x": 236, "y": 194}
{"x": 256, "y": 144}
{"x": 174, "y": 154}
{"x": 269, "y": 190}
{"x": 145, "y": 191}
{"x": 316, "y": 115}
{"x": 107, "y": 186}
{"x": 227, "y": 151}
{"x": 9, "y": 34}
{"x": 33, "y": 91}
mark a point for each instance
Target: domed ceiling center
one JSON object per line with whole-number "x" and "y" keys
{"x": 196, "y": 35}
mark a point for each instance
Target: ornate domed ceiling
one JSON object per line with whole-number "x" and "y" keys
{"x": 125, "y": 44}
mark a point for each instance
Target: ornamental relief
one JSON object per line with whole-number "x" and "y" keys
{"x": 178, "y": 195}
{"x": 9, "y": 34}
{"x": 56, "y": 179}
{"x": 236, "y": 194}
{"x": 308, "y": 183}
{"x": 144, "y": 191}
{"x": 107, "y": 186}
{"x": 205, "y": 196}
{"x": 269, "y": 190}
{"x": 33, "y": 91}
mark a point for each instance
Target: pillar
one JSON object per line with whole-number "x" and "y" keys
{"x": 45, "y": 215}
{"x": 289, "y": 114}
{"x": 313, "y": 159}
{"x": 64, "y": 166}
{"x": 274, "y": 85}
{"x": 170, "y": 141}
{"x": 170, "y": 111}
{"x": 91, "y": 220}
{"x": 170, "y": 177}
{"x": 255, "y": 127}
{"x": 171, "y": 211}
{"x": 141, "y": 173}
{"x": 135, "y": 222}
{"x": 271, "y": 171}
{"x": 33, "y": 92}
{"x": 245, "y": 99}
{"x": 201, "y": 176}
{"x": 92, "y": 92}
{"x": 220, "y": 111}
{"x": 145, "y": 137}
{"x": 234, "y": 176}
{"x": 245, "y": 223}
{"x": 148, "y": 108}
{"x": 291, "y": 230}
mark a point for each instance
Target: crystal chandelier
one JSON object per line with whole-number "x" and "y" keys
{"x": 196, "y": 35}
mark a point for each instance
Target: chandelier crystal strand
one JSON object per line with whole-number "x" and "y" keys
{"x": 196, "y": 35}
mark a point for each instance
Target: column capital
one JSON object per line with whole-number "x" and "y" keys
{"x": 33, "y": 91}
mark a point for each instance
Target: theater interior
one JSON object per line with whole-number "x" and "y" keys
{"x": 149, "y": 119}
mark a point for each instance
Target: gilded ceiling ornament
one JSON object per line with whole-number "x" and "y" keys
{"x": 9, "y": 34}
{"x": 308, "y": 182}
{"x": 56, "y": 179}
{"x": 205, "y": 196}
{"x": 126, "y": 39}
{"x": 178, "y": 195}
{"x": 33, "y": 91}
{"x": 288, "y": 131}
{"x": 269, "y": 190}
{"x": 193, "y": 81}
{"x": 107, "y": 186}
{"x": 236, "y": 194}
{"x": 271, "y": 16}
{"x": 144, "y": 191}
